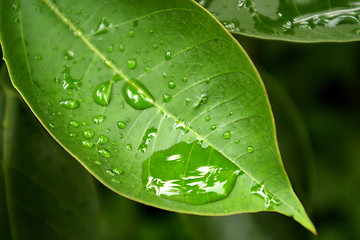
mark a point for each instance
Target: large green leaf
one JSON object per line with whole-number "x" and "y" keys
{"x": 45, "y": 194}
{"x": 154, "y": 98}
{"x": 291, "y": 20}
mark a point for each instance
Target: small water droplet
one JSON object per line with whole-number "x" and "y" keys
{"x": 171, "y": 84}
{"x": 73, "y": 134}
{"x": 68, "y": 54}
{"x": 187, "y": 101}
{"x": 16, "y": 6}
{"x": 167, "y": 55}
{"x": 166, "y": 97}
{"x": 103, "y": 27}
{"x": 250, "y": 149}
{"x": 237, "y": 141}
{"x": 69, "y": 104}
{"x": 230, "y": 114}
{"x": 207, "y": 118}
{"x": 88, "y": 133}
{"x": 184, "y": 79}
{"x": 149, "y": 134}
{"x": 102, "y": 93}
{"x": 131, "y": 33}
{"x": 74, "y": 124}
{"x": 121, "y": 124}
{"x": 226, "y": 135}
{"x": 98, "y": 119}
{"x": 131, "y": 63}
{"x": 213, "y": 127}
{"x": 128, "y": 147}
{"x": 147, "y": 69}
{"x": 87, "y": 144}
{"x": 110, "y": 48}
{"x": 121, "y": 48}
{"x": 38, "y": 57}
{"x": 104, "y": 152}
{"x": 137, "y": 95}
{"x": 102, "y": 139}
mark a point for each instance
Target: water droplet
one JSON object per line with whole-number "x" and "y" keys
{"x": 102, "y": 93}
{"x": 201, "y": 177}
{"x": 88, "y": 133}
{"x": 184, "y": 79}
{"x": 110, "y": 48}
{"x": 226, "y": 135}
{"x": 137, "y": 95}
{"x": 128, "y": 147}
{"x": 103, "y": 27}
{"x": 155, "y": 46}
{"x": 147, "y": 69}
{"x": 87, "y": 144}
{"x": 237, "y": 141}
{"x": 98, "y": 119}
{"x": 73, "y": 134}
{"x": 202, "y": 100}
{"x": 230, "y": 114}
{"x": 121, "y": 48}
{"x": 182, "y": 126}
{"x": 131, "y": 63}
{"x": 66, "y": 81}
{"x": 38, "y": 57}
{"x": 171, "y": 84}
{"x": 102, "y": 139}
{"x": 213, "y": 127}
{"x": 187, "y": 101}
{"x": 166, "y": 97}
{"x": 270, "y": 201}
{"x": 68, "y": 54}
{"x": 131, "y": 33}
{"x": 121, "y": 124}
{"x": 104, "y": 152}
{"x": 167, "y": 55}
{"x": 69, "y": 104}
{"x": 250, "y": 149}
{"x": 149, "y": 134}
{"x": 207, "y": 118}
{"x": 74, "y": 124}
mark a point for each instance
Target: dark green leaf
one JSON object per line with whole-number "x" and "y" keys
{"x": 291, "y": 20}
{"x": 47, "y": 194}
{"x": 154, "y": 98}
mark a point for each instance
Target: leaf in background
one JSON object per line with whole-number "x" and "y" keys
{"x": 291, "y": 20}
{"x": 154, "y": 98}
{"x": 48, "y": 195}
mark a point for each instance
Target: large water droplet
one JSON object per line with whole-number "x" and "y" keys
{"x": 270, "y": 200}
{"x": 74, "y": 124}
{"x": 149, "y": 134}
{"x": 70, "y": 103}
{"x": 88, "y": 133}
{"x": 250, "y": 149}
{"x": 87, "y": 144}
{"x": 102, "y": 93}
{"x": 226, "y": 135}
{"x": 102, "y": 139}
{"x": 121, "y": 124}
{"x": 198, "y": 175}
{"x": 137, "y": 95}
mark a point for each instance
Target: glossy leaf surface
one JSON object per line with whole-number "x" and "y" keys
{"x": 151, "y": 92}
{"x": 47, "y": 195}
{"x": 291, "y": 20}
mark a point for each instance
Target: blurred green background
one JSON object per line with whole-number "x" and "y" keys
{"x": 314, "y": 90}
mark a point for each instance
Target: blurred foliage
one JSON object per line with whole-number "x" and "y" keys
{"x": 314, "y": 92}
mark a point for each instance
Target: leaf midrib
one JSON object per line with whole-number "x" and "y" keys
{"x": 111, "y": 65}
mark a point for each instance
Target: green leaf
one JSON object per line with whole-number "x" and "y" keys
{"x": 46, "y": 194}
{"x": 290, "y": 20}
{"x": 154, "y": 98}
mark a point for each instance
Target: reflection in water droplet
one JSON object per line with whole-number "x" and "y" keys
{"x": 87, "y": 144}
{"x": 88, "y": 133}
{"x": 202, "y": 100}
{"x": 207, "y": 118}
{"x": 202, "y": 177}
{"x": 70, "y": 103}
{"x": 166, "y": 97}
{"x": 102, "y": 93}
{"x": 237, "y": 141}
{"x": 128, "y": 147}
{"x": 38, "y": 57}
{"x": 121, "y": 48}
{"x": 226, "y": 134}
{"x": 74, "y": 124}
{"x": 187, "y": 101}
{"x": 137, "y": 95}
{"x": 121, "y": 124}
{"x": 250, "y": 149}
{"x": 182, "y": 126}
{"x": 147, "y": 69}
{"x": 98, "y": 119}
{"x": 102, "y": 139}
{"x": 270, "y": 201}
{"x": 103, "y": 27}
{"x": 149, "y": 134}
{"x": 104, "y": 152}
{"x": 68, "y": 54}
{"x": 131, "y": 33}
{"x": 131, "y": 63}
